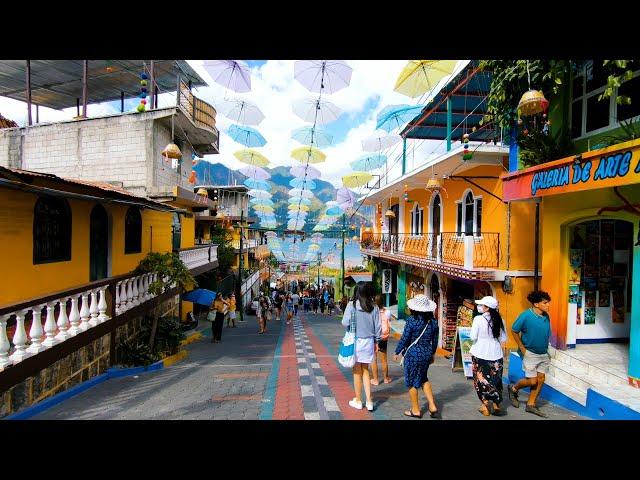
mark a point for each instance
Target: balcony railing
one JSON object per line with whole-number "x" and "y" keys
{"x": 66, "y": 314}
{"x": 246, "y": 244}
{"x": 467, "y": 251}
{"x": 200, "y": 112}
{"x": 198, "y": 256}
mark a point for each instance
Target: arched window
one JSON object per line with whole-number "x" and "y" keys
{"x": 416, "y": 220}
{"x": 133, "y": 231}
{"x": 469, "y": 215}
{"x": 51, "y": 230}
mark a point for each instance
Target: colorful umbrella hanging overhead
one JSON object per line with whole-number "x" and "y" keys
{"x": 254, "y": 172}
{"x": 259, "y": 194}
{"x": 300, "y": 171}
{"x": 308, "y": 154}
{"x": 345, "y": 196}
{"x": 327, "y": 76}
{"x": 421, "y": 76}
{"x": 240, "y": 111}
{"x": 303, "y": 183}
{"x": 315, "y": 110}
{"x": 257, "y": 184}
{"x": 380, "y": 140}
{"x": 247, "y": 136}
{"x": 312, "y": 136}
{"x": 356, "y": 179}
{"x": 231, "y": 74}
{"x": 261, "y": 201}
{"x": 394, "y": 116}
{"x": 296, "y": 192}
{"x": 300, "y": 200}
{"x": 369, "y": 162}
{"x": 251, "y": 157}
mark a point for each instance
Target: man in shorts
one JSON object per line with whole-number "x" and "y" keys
{"x": 531, "y": 331}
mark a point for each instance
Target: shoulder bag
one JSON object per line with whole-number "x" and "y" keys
{"x": 347, "y": 352}
{"x": 414, "y": 342}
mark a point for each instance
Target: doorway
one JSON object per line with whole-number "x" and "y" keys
{"x": 434, "y": 288}
{"x": 98, "y": 244}
{"x": 176, "y": 232}
{"x": 435, "y": 225}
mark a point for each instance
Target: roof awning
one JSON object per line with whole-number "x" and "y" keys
{"x": 58, "y": 83}
{"x": 184, "y": 198}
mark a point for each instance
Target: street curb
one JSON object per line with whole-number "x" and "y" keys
{"x": 191, "y": 338}
{"x": 113, "y": 372}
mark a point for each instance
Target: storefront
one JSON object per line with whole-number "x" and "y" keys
{"x": 590, "y": 256}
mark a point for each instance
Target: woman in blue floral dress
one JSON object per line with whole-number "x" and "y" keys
{"x": 418, "y": 344}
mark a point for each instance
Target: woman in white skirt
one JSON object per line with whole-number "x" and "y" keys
{"x": 368, "y": 333}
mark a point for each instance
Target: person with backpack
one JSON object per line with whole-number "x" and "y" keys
{"x": 331, "y": 304}
{"x": 418, "y": 345}
{"x": 382, "y": 345}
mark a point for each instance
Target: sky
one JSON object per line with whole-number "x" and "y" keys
{"x": 273, "y": 89}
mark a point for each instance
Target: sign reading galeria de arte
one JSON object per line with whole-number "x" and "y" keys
{"x": 610, "y": 167}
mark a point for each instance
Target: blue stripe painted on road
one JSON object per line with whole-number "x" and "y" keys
{"x": 269, "y": 398}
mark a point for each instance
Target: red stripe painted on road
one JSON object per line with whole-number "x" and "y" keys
{"x": 341, "y": 388}
{"x": 288, "y": 403}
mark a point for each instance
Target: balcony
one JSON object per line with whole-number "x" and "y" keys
{"x": 200, "y": 258}
{"x": 201, "y": 114}
{"x": 246, "y": 244}
{"x": 468, "y": 256}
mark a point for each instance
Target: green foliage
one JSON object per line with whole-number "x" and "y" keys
{"x": 621, "y": 71}
{"x": 630, "y": 131}
{"x": 537, "y": 147}
{"x": 169, "y": 334}
{"x": 169, "y": 267}
{"x": 222, "y": 237}
{"x": 137, "y": 352}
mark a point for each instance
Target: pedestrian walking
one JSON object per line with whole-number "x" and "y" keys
{"x": 306, "y": 302}
{"x": 218, "y": 306}
{"x": 531, "y": 331}
{"x": 314, "y": 304}
{"x": 263, "y": 309}
{"x": 331, "y": 304}
{"x": 488, "y": 335}
{"x": 289, "y": 308}
{"x": 232, "y": 311}
{"x": 366, "y": 317}
{"x": 279, "y": 300}
{"x": 295, "y": 298}
{"x": 322, "y": 303}
{"x": 418, "y": 345}
{"x": 382, "y": 344}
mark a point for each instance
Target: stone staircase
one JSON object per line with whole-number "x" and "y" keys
{"x": 573, "y": 376}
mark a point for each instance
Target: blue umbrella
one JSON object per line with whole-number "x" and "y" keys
{"x": 305, "y": 135}
{"x": 301, "y": 201}
{"x": 247, "y": 136}
{"x": 261, "y": 201}
{"x": 369, "y": 162}
{"x": 302, "y": 183}
{"x": 201, "y": 296}
{"x": 257, "y": 184}
{"x": 394, "y": 116}
{"x": 336, "y": 210}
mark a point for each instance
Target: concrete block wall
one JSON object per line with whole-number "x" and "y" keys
{"x": 10, "y": 147}
{"x": 163, "y": 175}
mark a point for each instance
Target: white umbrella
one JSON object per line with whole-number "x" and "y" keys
{"x": 254, "y": 172}
{"x": 380, "y": 140}
{"x": 259, "y": 194}
{"x": 296, "y": 192}
{"x": 240, "y": 111}
{"x": 232, "y": 74}
{"x": 326, "y": 76}
{"x": 315, "y": 110}
{"x": 298, "y": 171}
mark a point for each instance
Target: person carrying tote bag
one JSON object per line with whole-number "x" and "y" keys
{"x": 368, "y": 331}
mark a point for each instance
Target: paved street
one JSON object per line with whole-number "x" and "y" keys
{"x": 291, "y": 372}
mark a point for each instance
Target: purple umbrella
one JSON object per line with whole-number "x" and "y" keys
{"x": 345, "y": 198}
{"x": 254, "y": 172}
{"x": 327, "y": 76}
{"x": 298, "y": 171}
{"x": 231, "y": 74}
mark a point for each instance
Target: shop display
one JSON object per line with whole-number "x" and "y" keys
{"x": 461, "y": 359}
{"x": 590, "y": 299}
{"x": 604, "y": 292}
{"x": 464, "y": 318}
{"x": 589, "y": 316}
{"x": 574, "y": 294}
{"x": 449, "y": 325}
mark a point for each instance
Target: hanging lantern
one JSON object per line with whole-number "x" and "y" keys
{"x": 143, "y": 93}
{"x": 390, "y": 214}
{"x": 532, "y": 102}
{"x": 203, "y": 192}
{"x": 433, "y": 184}
{"x": 172, "y": 151}
{"x": 465, "y": 154}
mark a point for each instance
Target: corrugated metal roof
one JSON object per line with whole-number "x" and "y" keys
{"x": 58, "y": 83}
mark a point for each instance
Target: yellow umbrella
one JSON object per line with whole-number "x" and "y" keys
{"x": 301, "y": 208}
{"x": 420, "y": 76}
{"x": 263, "y": 208}
{"x": 251, "y": 157}
{"x": 313, "y": 155}
{"x": 356, "y": 179}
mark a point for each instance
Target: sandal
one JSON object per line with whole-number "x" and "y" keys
{"x": 387, "y": 380}
{"x": 484, "y": 411}
{"x": 375, "y": 382}
{"x": 409, "y": 413}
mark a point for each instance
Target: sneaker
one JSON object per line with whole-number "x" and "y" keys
{"x": 536, "y": 411}
{"x": 355, "y": 404}
{"x": 370, "y": 406}
{"x": 513, "y": 396}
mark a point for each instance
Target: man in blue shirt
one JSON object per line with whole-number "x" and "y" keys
{"x": 531, "y": 331}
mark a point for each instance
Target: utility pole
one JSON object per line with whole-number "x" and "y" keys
{"x": 319, "y": 261}
{"x": 240, "y": 266}
{"x": 343, "y": 227}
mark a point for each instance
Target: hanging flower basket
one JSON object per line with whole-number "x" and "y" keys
{"x": 532, "y": 102}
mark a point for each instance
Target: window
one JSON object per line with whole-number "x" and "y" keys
{"x": 469, "y": 215}
{"x": 590, "y": 115}
{"x": 417, "y": 216}
{"x": 51, "y": 230}
{"x": 133, "y": 231}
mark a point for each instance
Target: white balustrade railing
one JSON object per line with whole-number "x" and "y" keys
{"x": 76, "y": 313}
{"x": 198, "y": 256}
{"x": 246, "y": 244}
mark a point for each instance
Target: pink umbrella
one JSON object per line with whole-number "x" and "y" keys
{"x": 231, "y": 74}
{"x": 254, "y": 172}
{"x": 298, "y": 171}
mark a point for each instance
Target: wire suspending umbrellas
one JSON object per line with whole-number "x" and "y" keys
{"x": 240, "y": 111}
{"x": 356, "y": 179}
{"x": 231, "y": 74}
{"x": 380, "y": 140}
{"x": 247, "y": 136}
{"x": 394, "y": 116}
{"x": 312, "y": 136}
{"x": 326, "y": 76}
{"x": 300, "y": 171}
{"x": 421, "y": 76}
{"x": 316, "y": 110}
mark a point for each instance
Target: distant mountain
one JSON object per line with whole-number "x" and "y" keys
{"x": 217, "y": 174}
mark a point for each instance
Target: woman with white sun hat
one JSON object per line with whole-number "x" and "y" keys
{"x": 418, "y": 344}
{"x": 488, "y": 335}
